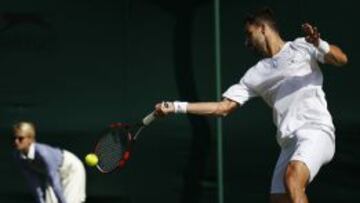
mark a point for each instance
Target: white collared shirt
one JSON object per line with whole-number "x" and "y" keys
{"x": 290, "y": 82}
{"x": 31, "y": 153}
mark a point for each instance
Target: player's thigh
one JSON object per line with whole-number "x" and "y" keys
{"x": 314, "y": 148}
{"x": 277, "y": 183}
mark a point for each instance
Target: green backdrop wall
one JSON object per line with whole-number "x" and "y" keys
{"x": 72, "y": 67}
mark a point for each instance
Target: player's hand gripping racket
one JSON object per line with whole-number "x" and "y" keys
{"x": 113, "y": 148}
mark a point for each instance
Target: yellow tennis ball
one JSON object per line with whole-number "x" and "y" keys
{"x": 91, "y": 160}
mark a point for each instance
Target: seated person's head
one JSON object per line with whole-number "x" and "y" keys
{"x": 24, "y": 135}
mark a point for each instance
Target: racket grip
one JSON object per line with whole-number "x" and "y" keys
{"x": 149, "y": 118}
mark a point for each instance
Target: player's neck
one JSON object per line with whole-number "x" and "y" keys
{"x": 274, "y": 45}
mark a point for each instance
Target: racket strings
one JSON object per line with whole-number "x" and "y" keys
{"x": 110, "y": 149}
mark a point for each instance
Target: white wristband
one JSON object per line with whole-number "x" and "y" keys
{"x": 180, "y": 107}
{"x": 323, "y": 47}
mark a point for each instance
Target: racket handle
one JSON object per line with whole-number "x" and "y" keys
{"x": 149, "y": 118}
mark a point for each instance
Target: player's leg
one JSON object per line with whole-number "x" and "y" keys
{"x": 296, "y": 179}
{"x": 278, "y": 191}
{"x": 314, "y": 148}
{"x": 299, "y": 161}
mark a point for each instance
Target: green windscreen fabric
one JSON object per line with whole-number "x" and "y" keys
{"x": 73, "y": 67}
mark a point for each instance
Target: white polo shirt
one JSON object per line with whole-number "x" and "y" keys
{"x": 291, "y": 84}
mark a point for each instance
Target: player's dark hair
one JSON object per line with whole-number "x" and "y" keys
{"x": 262, "y": 15}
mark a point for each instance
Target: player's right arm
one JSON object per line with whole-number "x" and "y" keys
{"x": 236, "y": 95}
{"x": 332, "y": 54}
{"x": 221, "y": 108}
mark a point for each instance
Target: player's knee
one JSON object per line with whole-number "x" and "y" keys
{"x": 296, "y": 177}
{"x": 290, "y": 180}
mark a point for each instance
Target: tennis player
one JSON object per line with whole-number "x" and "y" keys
{"x": 54, "y": 175}
{"x": 289, "y": 80}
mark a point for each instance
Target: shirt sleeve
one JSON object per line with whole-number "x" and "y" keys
{"x": 240, "y": 92}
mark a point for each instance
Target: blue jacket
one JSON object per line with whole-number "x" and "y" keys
{"x": 42, "y": 169}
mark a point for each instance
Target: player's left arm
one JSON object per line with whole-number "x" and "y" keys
{"x": 332, "y": 54}
{"x": 335, "y": 56}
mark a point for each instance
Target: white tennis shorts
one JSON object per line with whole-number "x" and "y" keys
{"x": 73, "y": 180}
{"x": 310, "y": 145}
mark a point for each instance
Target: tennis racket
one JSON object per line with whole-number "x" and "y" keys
{"x": 113, "y": 148}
